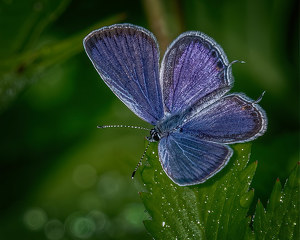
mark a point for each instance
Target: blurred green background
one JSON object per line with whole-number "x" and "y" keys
{"x": 61, "y": 177}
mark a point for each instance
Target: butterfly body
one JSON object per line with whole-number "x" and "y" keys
{"x": 185, "y": 100}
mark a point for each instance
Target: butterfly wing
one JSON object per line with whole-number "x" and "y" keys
{"x": 194, "y": 70}
{"x": 127, "y": 59}
{"x": 232, "y": 119}
{"x": 188, "y": 160}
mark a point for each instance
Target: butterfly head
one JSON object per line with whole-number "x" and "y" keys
{"x": 154, "y": 135}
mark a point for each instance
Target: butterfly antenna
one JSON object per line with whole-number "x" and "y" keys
{"x": 260, "y": 98}
{"x": 235, "y": 61}
{"x": 139, "y": 163}
{"x": 122, "y": 126}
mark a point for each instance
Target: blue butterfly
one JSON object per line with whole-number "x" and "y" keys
{"x": 193, "y": 119}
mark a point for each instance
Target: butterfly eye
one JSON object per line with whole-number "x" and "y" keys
{"x": 154, "y": 135}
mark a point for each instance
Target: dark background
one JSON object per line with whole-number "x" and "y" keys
{"x": 61, "y": 177}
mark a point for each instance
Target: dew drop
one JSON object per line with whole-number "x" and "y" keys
{"x": 246, "y": 199}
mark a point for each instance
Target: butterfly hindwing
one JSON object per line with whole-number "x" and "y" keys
{"x": 232, "y": 119}
{"x": 127, "y": 59}
{"x": 194, "y": 68}
{"x": 188, "y": 160}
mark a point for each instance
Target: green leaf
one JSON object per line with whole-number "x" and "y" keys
{"x": 216, "y": 209}
{"x": 281, "y": 219}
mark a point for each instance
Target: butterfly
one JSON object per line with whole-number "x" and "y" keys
{"x": 184, "y": 99}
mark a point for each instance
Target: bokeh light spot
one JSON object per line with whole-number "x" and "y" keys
{"x": 110, "y": 185}
{"x": 99, "y": 218}
{"x": 82, "y": 227}
{"x": 85, "y": 176}
{"x": 134, "y": 214}
{"x": 35, "y": 218}
{"x": 54, "y": 229}
{"x": 132, "y": 217}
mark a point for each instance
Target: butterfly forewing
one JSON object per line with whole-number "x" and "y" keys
{"x": 194, "y": 68}
{"x": 127, "y": 59}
